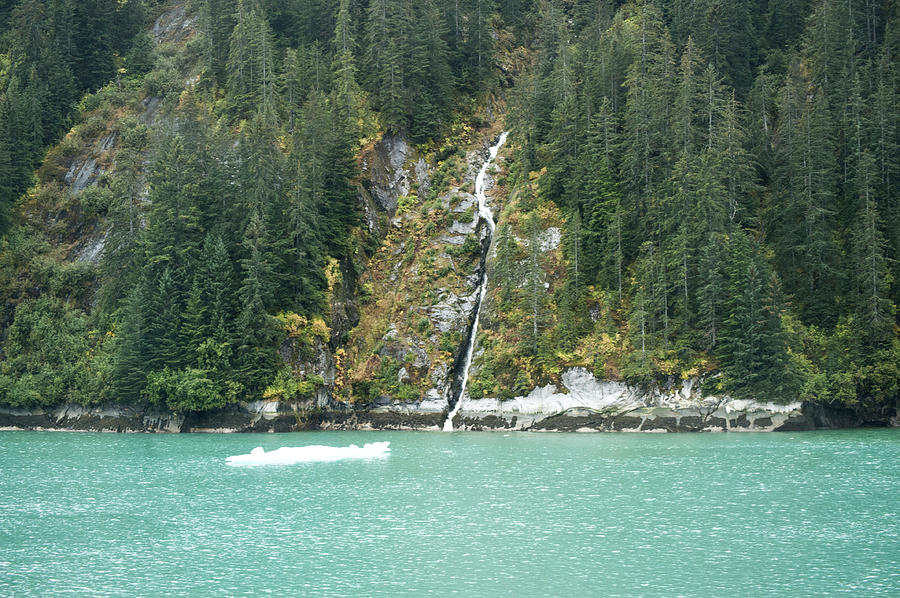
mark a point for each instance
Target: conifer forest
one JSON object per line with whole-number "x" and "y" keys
{"x": 690, "y": 189}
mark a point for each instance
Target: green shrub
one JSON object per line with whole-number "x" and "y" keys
{"x": 135, "y": 134}
{"x": 189, "y": 390}
{"x": 406, "y": 203}
{"x": 423, "y": 325}
{"x": 48, "y": 351}
{"x": 95, "y": 201}
{"x": 164, "y": 79}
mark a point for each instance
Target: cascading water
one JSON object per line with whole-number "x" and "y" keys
{"x": 484, "y": 212}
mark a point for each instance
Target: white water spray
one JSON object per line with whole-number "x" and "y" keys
{"x": 485, "y": 213}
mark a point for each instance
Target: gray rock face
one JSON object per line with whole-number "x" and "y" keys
{"x": 317, "y": 362}
{"x": 588, "y": 404}
{"x": 391, "y": 179}
{"x": 422, "y": 252}
{"x": 93, "y": 251}
{"x": 82, "y": 174}
{"x": 108, "y": 142}
{"x": 549, "y": 239}
{"x": 452, "y": 312}
{"x": 258, "y": 416}
{"x": 371, "y": 217}
{"x": 462, "y": 228}
{"x": 423, "y": 177}
{"x": 173, "y": 25}
{"x": 104, "y": 418}
{"x": 151, "y": 109}
{"x": 464, "y": 201}
{"x": 453, "y": 239}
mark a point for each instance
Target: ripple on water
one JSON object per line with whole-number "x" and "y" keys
{"x": 462, "y": 514}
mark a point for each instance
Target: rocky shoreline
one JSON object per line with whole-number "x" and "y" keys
{"x": 585, "y": 404}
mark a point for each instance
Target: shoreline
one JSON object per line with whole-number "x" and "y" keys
{"x": 294, "y": 417}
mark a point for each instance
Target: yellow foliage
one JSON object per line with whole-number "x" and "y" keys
{"x": 320, "y": 329}
{"x": 301, "y": 328}
{"x": 333, "y": 274}
{"x": 339, "y": 379}
{"x": 293, "y": 324}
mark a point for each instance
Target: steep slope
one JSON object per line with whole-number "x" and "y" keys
{"x": 267, "y": 221}
{"x": 420, "y": 292}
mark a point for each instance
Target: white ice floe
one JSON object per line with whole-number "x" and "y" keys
{"x": 310, "y": 454}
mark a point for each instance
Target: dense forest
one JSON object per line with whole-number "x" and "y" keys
{"x": 723, "y": 174}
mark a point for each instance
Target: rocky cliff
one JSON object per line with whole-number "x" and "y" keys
{"x": 389, "y": 351}
{"x": 399, "y": 328}
{"x": 583, "y": 404}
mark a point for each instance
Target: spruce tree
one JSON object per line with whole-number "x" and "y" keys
{"x": 174, "y": 224}
{"x": 477, "y": 48}
{"x": 256, "y": 332}
{"x": 131, "y": 348}
{"x": 752, "y": 348}
{"x": 601, "y": 226}
{"x": 649, "y": 95}
{"x": 535, "y": 292}
{"x": 250, "y": 65}
{"x": 163, "y": 320}
{"x": 873, "y": 307}
{"x": 217, "y": 23}
{"x": 347, "y": 93}
{"x": 384, "y": 56}
{"x": 209, "y": 311}
{"x": 92, "y": 29}
{"x": 713, "y": 290}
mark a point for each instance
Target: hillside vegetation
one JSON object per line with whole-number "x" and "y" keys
{"x": 691, "y": 189}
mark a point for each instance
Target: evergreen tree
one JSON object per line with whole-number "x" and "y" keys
{"x": 325, "y": 156}
{"x": 140, "y": 57}
{"x": 293, "y": 87}
{"x": 734, "y": 163}
{"x": 173, "y": 228}
{"x": 130, "y": 365}
{"x": 162, "y": 323}
{"x": 385, "y": 79}
{"x": 650, "y": 312}
{"x": 713, "y": 289}
{"x": 874, "y": 310}
{"x": 689, "y": 102}
{"x": 217, "y": 23}
{"x": 536, "y": 294}
{"x": 39, "y": 51}
{"x": 92, "y": 31}
{"x": 209, "y": 311}
{"x": 409, "y": 78}
{"x": 504, "y": 267}
{"x": 347, "y": 93}
{"x": 120, "y": 263}
{"x": 602, "y": 233}
{"x": 256, "y": 329}
{"x": 250, "y": 65}
{"x": 477, "y": 47}
{"x": 752, "y": 348}
{"x": 801, "y": 214}
{"x": 431, "y": 81}
{"x": 645, "y": 137}
{"x": 563, "y": 134}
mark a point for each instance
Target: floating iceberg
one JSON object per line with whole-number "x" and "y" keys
{"x": 311, "y": 454}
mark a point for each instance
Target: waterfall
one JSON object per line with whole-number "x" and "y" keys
{"x": 484, "y": 212}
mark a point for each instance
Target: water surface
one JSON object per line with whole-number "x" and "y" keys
{"x": 462, "y": 514}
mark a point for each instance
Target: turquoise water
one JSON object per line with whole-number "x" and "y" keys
{"x": 462, "y": 514}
